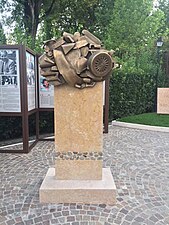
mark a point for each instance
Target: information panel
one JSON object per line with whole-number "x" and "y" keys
{"x": 31, "y": 77}
{"x": 46, "y": 93}
{"x": 9, "y": 81}
{"x": 163, "y": 101}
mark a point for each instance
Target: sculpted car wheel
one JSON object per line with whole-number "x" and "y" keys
{"x": 100, "y": 64}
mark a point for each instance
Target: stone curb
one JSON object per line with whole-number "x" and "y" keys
{"x": 140, "y": 126}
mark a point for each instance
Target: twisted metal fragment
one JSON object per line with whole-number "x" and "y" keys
{"x": 76, "y": 59}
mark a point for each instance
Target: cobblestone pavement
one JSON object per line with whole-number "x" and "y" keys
{"x": 139, "y": 161}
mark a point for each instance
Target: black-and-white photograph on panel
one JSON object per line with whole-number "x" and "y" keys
{"x": 31, "y": 80}
{"x": 9, "y": 81}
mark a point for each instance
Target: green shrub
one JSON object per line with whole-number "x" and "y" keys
{"x": 11, "y": 126}
{"x": 132, "y": 93}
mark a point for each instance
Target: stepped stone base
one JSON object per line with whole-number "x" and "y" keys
{"x": 78, "y": 191}
{"x": 78, "y": 169}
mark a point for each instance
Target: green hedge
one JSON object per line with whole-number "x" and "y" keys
{"x": 11, "y": 126}
{"x": 132, "y": 93}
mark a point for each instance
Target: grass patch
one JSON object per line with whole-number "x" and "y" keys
{"x": 152, "y": 119}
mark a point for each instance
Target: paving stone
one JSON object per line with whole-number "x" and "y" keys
{"x": 65, "y": 213}
{"x": 89, "y": 212}
{"x": 46, "y": 222}
{"x": 70, "y": 219}
{"x": 139, "y": 219}
{"x": 125, "y": 223}
{"x": 74, "y": 212}
{"x": 139, "y": 161}
{"x": 54, "y": 221}
{"x": 84, "y": 223}
{"x": 10, "y": 222}
{"x": 57, "y": 214}
{"x": 62, "y": 219}
{"x": 129, "y": 218}
{"x": 102, "y": 205}
{"x": 28, "y": 222}
{"x": 124, "y": 211}
{"x": 86, "y": 218}
{"x": 19, "y": 223}
{"x": 160, "y": 217}
{"x": 75, "y": 223}
{"x": 154, "y": 219}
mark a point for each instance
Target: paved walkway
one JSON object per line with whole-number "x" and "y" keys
{"x": 139, "y": 161}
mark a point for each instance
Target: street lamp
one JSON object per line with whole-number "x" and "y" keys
{"x": 159, "y": 44}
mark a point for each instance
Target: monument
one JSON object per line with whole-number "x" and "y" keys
{"x": 76, "y": 64}
{"x": 163, "y": 101}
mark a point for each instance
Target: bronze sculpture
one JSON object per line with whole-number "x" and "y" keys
{"x": 78, "y": 60}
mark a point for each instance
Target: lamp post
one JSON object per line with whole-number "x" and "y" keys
{"x": 159, "y": 44}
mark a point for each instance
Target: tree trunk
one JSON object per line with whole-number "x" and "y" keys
{"x": 31, "y": 11}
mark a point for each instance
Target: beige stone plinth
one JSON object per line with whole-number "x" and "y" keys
{"x": 79, "y": 129}
{"x": 163, "y": 101}
{"x": 79, "y": 119}
{"x": 79, "y": 191}
{"x": 79, "y": 169}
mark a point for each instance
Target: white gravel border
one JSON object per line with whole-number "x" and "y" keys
{"x": 140, "y": 126}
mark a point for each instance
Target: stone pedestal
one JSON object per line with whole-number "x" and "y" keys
{"x": 78, "y": 191}
{"x": 163, "y": 101}
{"x": 78, "y": 175}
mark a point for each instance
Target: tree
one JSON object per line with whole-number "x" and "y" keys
{"x": 133, "y": 29}
{"x": 164, "y": 6}
{"x": 103, "y": 14}
{"x": 72, "y": 16}
{"x": 2, "y": 35}
{"x": 27, "y": 15}
{"x": 132, "y": 33}
{"x": 52, "y": 16}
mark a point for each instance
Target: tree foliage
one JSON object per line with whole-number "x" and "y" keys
{"x": 133, "y": 29}
{"x": 2, "y": 35}
{"x": 164, "y": 6}
{"x": 27, "y": 15}
{"x": 52, "y": 16}
{"x": 70, "y": 16}
{"x": 132, "y": 33}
